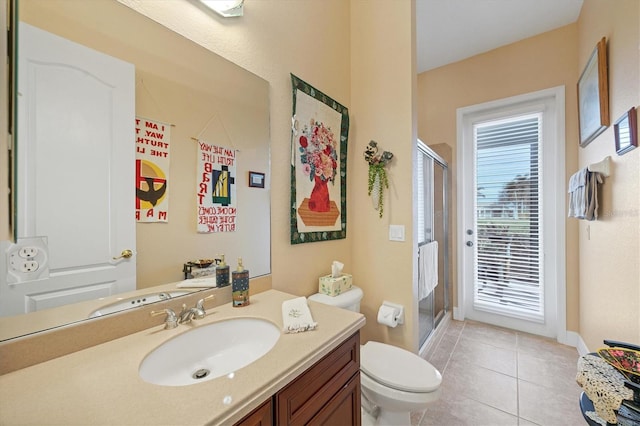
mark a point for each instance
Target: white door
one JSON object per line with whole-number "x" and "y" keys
{"x": 76, "y": 112}
{"x": 512, "y": 213}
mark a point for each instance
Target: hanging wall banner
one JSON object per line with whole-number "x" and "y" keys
{"x": 152, "y": 170}
{"x": 216, "y": 190}
{"x": 319, "y": 131}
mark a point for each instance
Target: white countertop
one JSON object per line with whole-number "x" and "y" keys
{"x": 101, "y": 385}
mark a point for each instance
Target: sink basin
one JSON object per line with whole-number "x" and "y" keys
{"x": 209, "y": 351}
{"x": 133, "y": 302}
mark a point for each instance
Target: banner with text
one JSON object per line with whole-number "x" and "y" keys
{"x": 216, "y": 191}
{"x": 152, "y": 170}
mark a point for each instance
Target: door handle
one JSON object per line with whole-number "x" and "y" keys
{"x": 126, "y": 254}
{"x": 469, "y": 243}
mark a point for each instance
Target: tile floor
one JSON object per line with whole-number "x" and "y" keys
{"x": 494, "y": 376}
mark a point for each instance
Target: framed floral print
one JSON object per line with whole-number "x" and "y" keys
{"x": 319, "y": 133}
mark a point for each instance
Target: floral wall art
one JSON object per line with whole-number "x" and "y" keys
{"x": 319, "y": 131}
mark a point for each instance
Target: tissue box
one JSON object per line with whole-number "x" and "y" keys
{"x": 334, "y": 286}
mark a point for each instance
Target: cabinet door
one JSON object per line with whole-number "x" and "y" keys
{"x": 343, "y": 408}
{"x": 261, "y": 416}
{"x": 304, "y": 398}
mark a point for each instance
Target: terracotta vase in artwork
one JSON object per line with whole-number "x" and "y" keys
{"x": 319, "y": 199}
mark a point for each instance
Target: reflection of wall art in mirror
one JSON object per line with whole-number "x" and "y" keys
{"x": 626, "y": 131}
{"x": 256, "y": 180}
{"x": 320, "y": 127}
{"x": 169, "y": 90}
{"x": 216, "y": 188}
{"x": 153, "y": 154}
{"x": 593, "y": 95}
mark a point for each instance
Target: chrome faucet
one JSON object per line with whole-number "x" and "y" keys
{"x": 197, "y": 312}
{"x": 187, "y": 315}
{"x": 171, "y": 321}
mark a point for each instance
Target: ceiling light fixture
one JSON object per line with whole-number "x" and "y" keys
{"x": 225, "y": 8}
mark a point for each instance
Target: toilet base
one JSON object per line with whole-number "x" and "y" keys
{"x": 387, "y": 418}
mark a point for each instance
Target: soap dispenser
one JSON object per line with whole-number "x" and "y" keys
{"x": 240, "y": 286}
{"x": 222, "y": 273}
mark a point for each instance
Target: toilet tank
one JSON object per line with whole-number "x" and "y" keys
{"x": 349, "y": 300}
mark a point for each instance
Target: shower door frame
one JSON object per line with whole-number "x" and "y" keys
{"x": 437, "y": 161}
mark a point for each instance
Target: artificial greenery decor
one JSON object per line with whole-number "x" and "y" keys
{"x": 378, "y": 179}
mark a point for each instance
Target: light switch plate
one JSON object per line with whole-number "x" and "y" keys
{"x": 396, "y": 232}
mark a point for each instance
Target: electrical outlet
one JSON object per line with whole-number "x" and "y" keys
{"x": 29, "y": 266}
{"x": 28, "y": 252}
{"x": 27, "y": 260}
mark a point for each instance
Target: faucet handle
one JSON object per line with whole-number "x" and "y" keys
{"x": 200, "y": 303}
{"x": 171, "y": 321}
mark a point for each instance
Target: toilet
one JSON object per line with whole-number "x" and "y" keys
{"x": 394, "y": 381}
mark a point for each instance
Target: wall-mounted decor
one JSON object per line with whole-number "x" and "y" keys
{"x": 216, "y": 188}
{"x": 378, "y": 180}
{"x": 153, "y": 140}
{"x": 626, "y": 131}
{"x": 256, "y": 180}
{"x": 319, "y": 131}
{"x": 593, "y": 95}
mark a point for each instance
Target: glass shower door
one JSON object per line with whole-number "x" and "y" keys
{"x": 433, "y": 226}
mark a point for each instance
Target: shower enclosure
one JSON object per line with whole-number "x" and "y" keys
{"x": 433, "y": 225}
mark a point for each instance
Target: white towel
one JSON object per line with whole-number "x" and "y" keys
{"x": 296, "y": 316}
{"x": 198, "y": 283}
{"x": 427, "y": 269}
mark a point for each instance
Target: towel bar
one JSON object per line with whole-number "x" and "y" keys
{"x": 603, "y": 167}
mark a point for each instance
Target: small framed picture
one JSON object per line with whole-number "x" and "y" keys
{"x": 593, "y": 95}
{"x": 625, "y": 130}
{"x": 256, "y": 180}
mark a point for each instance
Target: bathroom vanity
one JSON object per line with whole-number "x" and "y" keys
{"x": 310, "y": 376}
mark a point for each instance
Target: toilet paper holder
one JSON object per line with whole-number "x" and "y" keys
{"x": 398, "y": 311}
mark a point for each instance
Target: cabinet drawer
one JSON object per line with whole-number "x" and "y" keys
{"x": 303, "y": 398}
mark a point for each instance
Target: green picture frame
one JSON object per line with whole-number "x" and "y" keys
{"x": 319, "y": 137}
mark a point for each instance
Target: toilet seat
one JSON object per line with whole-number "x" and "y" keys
{"x": 398, "y": 368}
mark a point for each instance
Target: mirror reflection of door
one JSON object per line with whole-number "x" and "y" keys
{"x": 76, "y": 111}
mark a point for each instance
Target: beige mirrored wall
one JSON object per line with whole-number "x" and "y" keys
{"x": 201, "y": 95}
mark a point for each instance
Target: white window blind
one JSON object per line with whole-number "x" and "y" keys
{"x": 508, "y": 263}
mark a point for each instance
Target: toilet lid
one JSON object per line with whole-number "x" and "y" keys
{"x": 398, "y": 368}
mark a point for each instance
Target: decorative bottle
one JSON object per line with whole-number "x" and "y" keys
{"x": 240, "y": 286}
{"x": 222, "y": 273}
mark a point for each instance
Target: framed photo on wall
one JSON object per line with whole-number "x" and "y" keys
{"x": 319, "y": 131}
{"x": 593, "y": 95}
{"x": 625, "y": 130}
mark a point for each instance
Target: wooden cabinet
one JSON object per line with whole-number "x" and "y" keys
{"x": 322, "y": 391}
{"x": 261, "y": 416}
{"x": 328, "y": 393}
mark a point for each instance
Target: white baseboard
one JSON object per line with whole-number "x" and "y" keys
{"x": 457, "y": 314}
{"x": 574, "y": 339}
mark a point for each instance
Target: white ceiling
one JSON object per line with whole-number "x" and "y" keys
{"x": 451, "y": 30}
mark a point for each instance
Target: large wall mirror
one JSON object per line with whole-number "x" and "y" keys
{"x": 196, "y": 94}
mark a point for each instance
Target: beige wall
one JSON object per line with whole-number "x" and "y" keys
{"x": 276, "y": 38}
{"x": 610, "y": 247}
{"x": 537, "y": 63}
{"x": 383, "y": 78}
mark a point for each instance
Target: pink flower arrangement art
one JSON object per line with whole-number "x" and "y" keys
{"x": 318, "y": 153}
{"x": 319, "y": 138}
